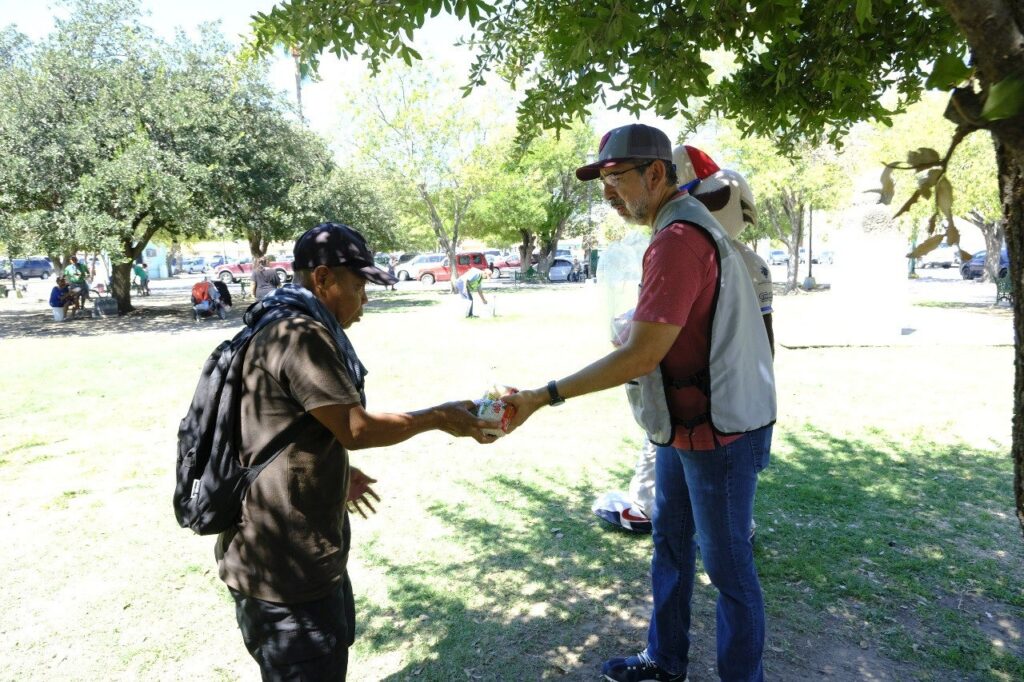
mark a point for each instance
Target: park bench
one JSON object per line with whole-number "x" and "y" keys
{"x": 103, "y": 304}
{"x": 1004, "y": 288}
{"x": 531, "y": 277}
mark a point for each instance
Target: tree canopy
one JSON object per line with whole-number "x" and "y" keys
{"x": 111, "y": 136}
{"x": 802, "y": 69}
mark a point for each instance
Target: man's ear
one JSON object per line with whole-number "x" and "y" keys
{"x": 320, "y": 275}
{"x": 660, "y": 168}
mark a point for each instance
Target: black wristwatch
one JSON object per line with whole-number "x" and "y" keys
{"x": 553, "y": 392}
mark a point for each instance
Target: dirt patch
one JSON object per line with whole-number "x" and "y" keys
{"x": 1003, "y": 630}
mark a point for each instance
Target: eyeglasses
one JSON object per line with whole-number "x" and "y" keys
{"x": 612, "y": 179}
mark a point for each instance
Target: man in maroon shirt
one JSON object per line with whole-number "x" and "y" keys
{"x": 697, "y": 320}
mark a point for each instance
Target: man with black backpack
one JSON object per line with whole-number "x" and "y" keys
{"x": 297, "y": 392}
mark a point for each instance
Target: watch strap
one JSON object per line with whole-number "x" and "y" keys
{"x": 553, "y": 394}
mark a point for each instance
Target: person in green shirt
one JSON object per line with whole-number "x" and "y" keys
{"x": 77, "y": 275}
{"x": 469, "y": 282}
{"x": 140, "y": 270}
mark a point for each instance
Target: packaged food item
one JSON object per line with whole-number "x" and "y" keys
{"x": 498, "y": 391}
{"x": 492, "y": 408}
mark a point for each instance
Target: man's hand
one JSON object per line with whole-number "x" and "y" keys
{"x": 359, "y": 492}
{"x": 459, "y": 419}
{"x": 526, "y": 403}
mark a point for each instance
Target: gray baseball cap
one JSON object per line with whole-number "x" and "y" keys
{"x": 636, "y": 141}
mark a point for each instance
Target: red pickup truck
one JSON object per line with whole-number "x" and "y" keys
{"x": 463, "y": 262}
{"x": 232, "y": 272}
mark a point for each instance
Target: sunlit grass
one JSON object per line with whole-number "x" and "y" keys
{"x": 885, "y": 516}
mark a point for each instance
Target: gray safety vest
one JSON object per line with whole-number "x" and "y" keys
{"x": 740, "y": 380}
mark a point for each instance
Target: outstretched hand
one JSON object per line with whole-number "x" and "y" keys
{"x": 360, "y": 492}
{"x": 459, "y": 419}
{"x": 525, "y": 404}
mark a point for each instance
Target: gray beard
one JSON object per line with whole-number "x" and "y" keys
{"x": 636, "y": 214}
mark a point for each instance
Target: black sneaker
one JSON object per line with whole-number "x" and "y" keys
{"x": 639, "y": 668}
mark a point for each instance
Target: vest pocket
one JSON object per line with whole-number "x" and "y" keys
{"x": 647, "y": 400}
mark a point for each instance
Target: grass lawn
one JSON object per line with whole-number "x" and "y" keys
{"x": 887, "y": 544}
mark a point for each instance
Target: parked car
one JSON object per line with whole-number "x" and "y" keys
{"x": 560, "y": 270}
{"x": 976, "y": 266}
{"x": 194, "y": 265}
{"x": 942, "y": 256}
{"x": 232, "y": 272}
{"x": 412, "y": 269}
{"x": 463, "y": 262}
{"x": 32, "y": 267}
{"x": 5, "y": 269}
{"x": 778, "y": 257}
{"x": 823, "y": 258}
{"x": 503, "y": 265}
{"x": 492, "y": 255}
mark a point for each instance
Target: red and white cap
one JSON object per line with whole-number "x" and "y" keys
{"x": 692, "y": 164}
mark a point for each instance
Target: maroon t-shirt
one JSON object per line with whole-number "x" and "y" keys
{"x": 678, "y": 288}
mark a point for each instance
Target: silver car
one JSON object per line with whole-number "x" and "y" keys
{"x": 560, "y": 270}
{"x": 412, "y": 269}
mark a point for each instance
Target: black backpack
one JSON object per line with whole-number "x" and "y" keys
{"x": 211, "y": 483}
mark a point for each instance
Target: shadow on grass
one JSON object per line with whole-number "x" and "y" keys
{"x": 884, "y": 535}
{"x": 879, "y": 560}
{"x": 544, "y": 601}
{"x": 165, "y": 319}
{"x": 400, "y": 303}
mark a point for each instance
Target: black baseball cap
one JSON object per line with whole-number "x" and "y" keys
{"x": 335, "y": 244}
{"x": 636, "y": 141}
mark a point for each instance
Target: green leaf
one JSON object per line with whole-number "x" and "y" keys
{"x": 1005, "y": 99}
{"x": 863, "y": 11}
{"x": 948, "y": 72}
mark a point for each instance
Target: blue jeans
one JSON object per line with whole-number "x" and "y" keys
{"x": 705, "y": 498}
{"x": 465, "y": 293}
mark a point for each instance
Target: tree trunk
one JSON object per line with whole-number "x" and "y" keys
{"x": 994, "y": 30}
{"x": 547, "y": 256}
{"x": 121, "y": 287}
{"x": 448, "y": 244}
{"x": 526, "y": 250}
{"x": 993, "y": 245}
{"x": 994, "y": 235}
{"x": 257, "y": 245}
{"x": 131, "y": 249}
{"x": 298, "y": 84}
{"x": 1010, "y": 159}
